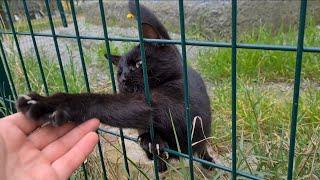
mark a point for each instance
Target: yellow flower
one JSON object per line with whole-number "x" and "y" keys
{"x": 130, "y": 16}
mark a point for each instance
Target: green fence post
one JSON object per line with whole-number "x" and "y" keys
{"x": 295, "y": 101}
{"x": 5, "y": 90}
{"x": 147, "y": 91}
{"x": 14, "y": 33}
{"x": 76, "y": 28}
{"x": 75, "y": 23}
{"x": 234, "y": 88}
{"x": 56, "y": 45}
{"x": 62, "y": 14}
{"x": 35, "y": 47}
{"x": 114, "y": 88}
{"x": 5, "y": 62}
{"x": 186, "y": 99}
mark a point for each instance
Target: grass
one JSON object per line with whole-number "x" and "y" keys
{"x": 264, "y": 101}
{"x": 37, "y": 24}
{"x": 263, "y": 65}
{"x": 52, "y": 75}
{"x": 94, "y": 60}
{"x": 263, "y": 123}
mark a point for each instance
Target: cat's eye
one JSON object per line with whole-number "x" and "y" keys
{"x": 138, "y": 64}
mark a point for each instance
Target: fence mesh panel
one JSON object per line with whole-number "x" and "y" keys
{"x": 30, "y": 41}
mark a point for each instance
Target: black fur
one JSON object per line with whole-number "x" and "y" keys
{"x": 128, "y": 108}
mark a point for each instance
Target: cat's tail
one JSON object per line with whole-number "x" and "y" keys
{"x": 149, "y": 21}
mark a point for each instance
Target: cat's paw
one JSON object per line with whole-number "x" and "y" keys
{"x": 145, "y": 142}
{"x": 37, "y": 108}
{"x": 207, "y": 157}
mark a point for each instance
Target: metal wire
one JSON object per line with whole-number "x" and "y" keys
{"x": 271, "y": 47}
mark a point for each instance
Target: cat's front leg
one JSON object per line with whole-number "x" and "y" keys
{"x": 118, "y": 110}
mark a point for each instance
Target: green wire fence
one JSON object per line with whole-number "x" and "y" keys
{"x": 9, "y": 93}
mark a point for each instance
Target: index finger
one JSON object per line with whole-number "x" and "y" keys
{"x": 22, "y": 122}
{"x": 68, "y": 163}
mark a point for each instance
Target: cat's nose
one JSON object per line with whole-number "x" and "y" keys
{"x": 124, "y": 74}
{"x": 122, "y": 78}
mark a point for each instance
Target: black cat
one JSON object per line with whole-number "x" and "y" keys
{"x": 128, "y": 109}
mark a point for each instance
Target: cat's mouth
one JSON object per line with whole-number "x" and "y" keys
{"x": 131, "y": 88}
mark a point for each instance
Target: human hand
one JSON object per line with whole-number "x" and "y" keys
{"x": 45, "y": 153}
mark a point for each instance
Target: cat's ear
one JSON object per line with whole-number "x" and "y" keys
{"x": 114, "y": 58}
{"x": 151, "y": 26}
{"x": 150, "y": 32}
